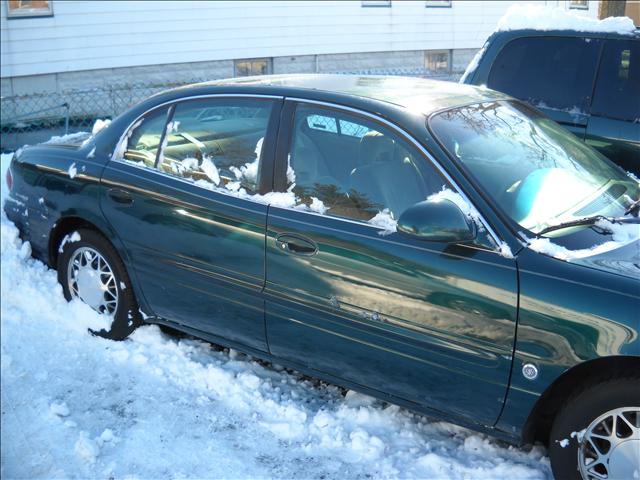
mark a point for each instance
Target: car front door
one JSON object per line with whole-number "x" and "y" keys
{"x": 614, "y": 126}
{"x": 182, "y": 200}
{"x": 347, "y": 295}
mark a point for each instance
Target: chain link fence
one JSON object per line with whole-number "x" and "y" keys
{"x": 31, "y": 119}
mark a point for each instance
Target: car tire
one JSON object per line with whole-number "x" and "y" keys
{"x": 92, "y": 255}
{"x": 592, "y": 411}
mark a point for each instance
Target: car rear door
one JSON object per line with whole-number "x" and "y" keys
{"x": 614, "y": 125}
{"x": 427, "y": 322}
{"x": 553, "y": 73}
{"x": 181, "y": 198}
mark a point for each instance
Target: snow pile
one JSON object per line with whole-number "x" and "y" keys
{"x": 210, "y": 170}
{"x": 461, "y": 203}
{"x": 77, "y": 406}
{"x": 539, "y": 17}
{"x": 385, "y": 220}
{"x": 621, "y": 235}
{"x": 68, "y": 139}
{"x": 100, "y": 125}
{"x": 72, "y": 171}
{"x": 74, "y": 237}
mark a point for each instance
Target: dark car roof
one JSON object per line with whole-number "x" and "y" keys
{"x": 415, "y": 94}
{"x": 519, "y": 32}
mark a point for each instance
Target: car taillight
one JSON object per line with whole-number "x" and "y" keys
{"x": 9, "y": 178}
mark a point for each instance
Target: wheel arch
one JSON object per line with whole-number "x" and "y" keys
{"x": 67, "y": 224}
{"x": 538, "y": 424}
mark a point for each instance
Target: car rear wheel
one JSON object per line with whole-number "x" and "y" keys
{"x": 597, "y": 433}
{"x": 90, "y": 269}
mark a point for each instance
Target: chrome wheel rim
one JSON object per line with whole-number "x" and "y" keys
{"x": 91, "y": 279}
{"x": 610, "y": 446}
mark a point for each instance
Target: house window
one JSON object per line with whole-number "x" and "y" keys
{"x": 29, "y": 8}
{"x": 438, "y": 3}
{"x": 255, "y": 66}
{"x": 376, "y": 3}
{"x": 579, "y": 4}
{"x": 438, "y": 61}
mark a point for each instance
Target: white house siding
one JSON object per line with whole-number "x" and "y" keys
{"x": 92, "y": 43}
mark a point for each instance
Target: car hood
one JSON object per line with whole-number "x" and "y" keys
{"x": 621, "y": 261}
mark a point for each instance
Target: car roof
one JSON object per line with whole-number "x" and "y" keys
{"x": 566, "y": 32}
{"x": 418, "y": 95}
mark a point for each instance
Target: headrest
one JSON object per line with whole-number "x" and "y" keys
{"x": 375, "y": 147}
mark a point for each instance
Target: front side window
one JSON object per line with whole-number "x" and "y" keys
{"x": 216, "y": 142}
{"x": 619, "y": 82}
{"x": 357, "y": 168}
{"x": 539, "y": 173}
{"x": 548, "y": 72}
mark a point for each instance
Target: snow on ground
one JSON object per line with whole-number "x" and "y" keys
{"x": 155, "y": 406}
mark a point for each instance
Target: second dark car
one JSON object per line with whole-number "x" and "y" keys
{"x": 588, "y": 82}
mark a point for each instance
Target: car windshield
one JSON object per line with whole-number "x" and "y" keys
{"x": 539, "y": 173}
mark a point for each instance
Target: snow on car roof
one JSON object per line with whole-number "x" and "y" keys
{"x": 539, "y": 17}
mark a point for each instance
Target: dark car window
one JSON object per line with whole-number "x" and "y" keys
{"x": 145, "y": 139}
{"x": 356, "y": 167}
{"x": 217, "y": 141}
{"x": 553, "y": 72}
{"x": 617, "y": 93}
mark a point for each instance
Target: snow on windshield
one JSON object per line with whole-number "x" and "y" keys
{"x": 540, "y": 17}
{"x": 621, "y": 234}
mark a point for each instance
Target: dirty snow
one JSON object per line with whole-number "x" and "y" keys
{"x": 77, "y": 406}
{"x": 540, "y": 17}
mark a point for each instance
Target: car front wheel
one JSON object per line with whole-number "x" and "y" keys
{"x": 596, "y": 435}
{"x": 90, "y": 269}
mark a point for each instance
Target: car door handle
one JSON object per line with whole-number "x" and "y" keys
{"x": 296, "y": 244}
{"x": 120, "y": 196}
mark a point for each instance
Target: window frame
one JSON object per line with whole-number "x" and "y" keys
{"x": 449, "y": 54}
{"x": 31, "y": 13}
{"x": 285, "y": 140}
{"x": 268, "y": 60}
{"x": 266, "y": 181}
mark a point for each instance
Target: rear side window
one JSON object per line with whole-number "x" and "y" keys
{"x": 617, "y": 93}
{"x": 216, "y": 142}
{"x": 143, "y": 144}
{"x": 548, "y": 72}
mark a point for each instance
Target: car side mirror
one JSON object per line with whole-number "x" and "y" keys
{"x": 437, "y": 221}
